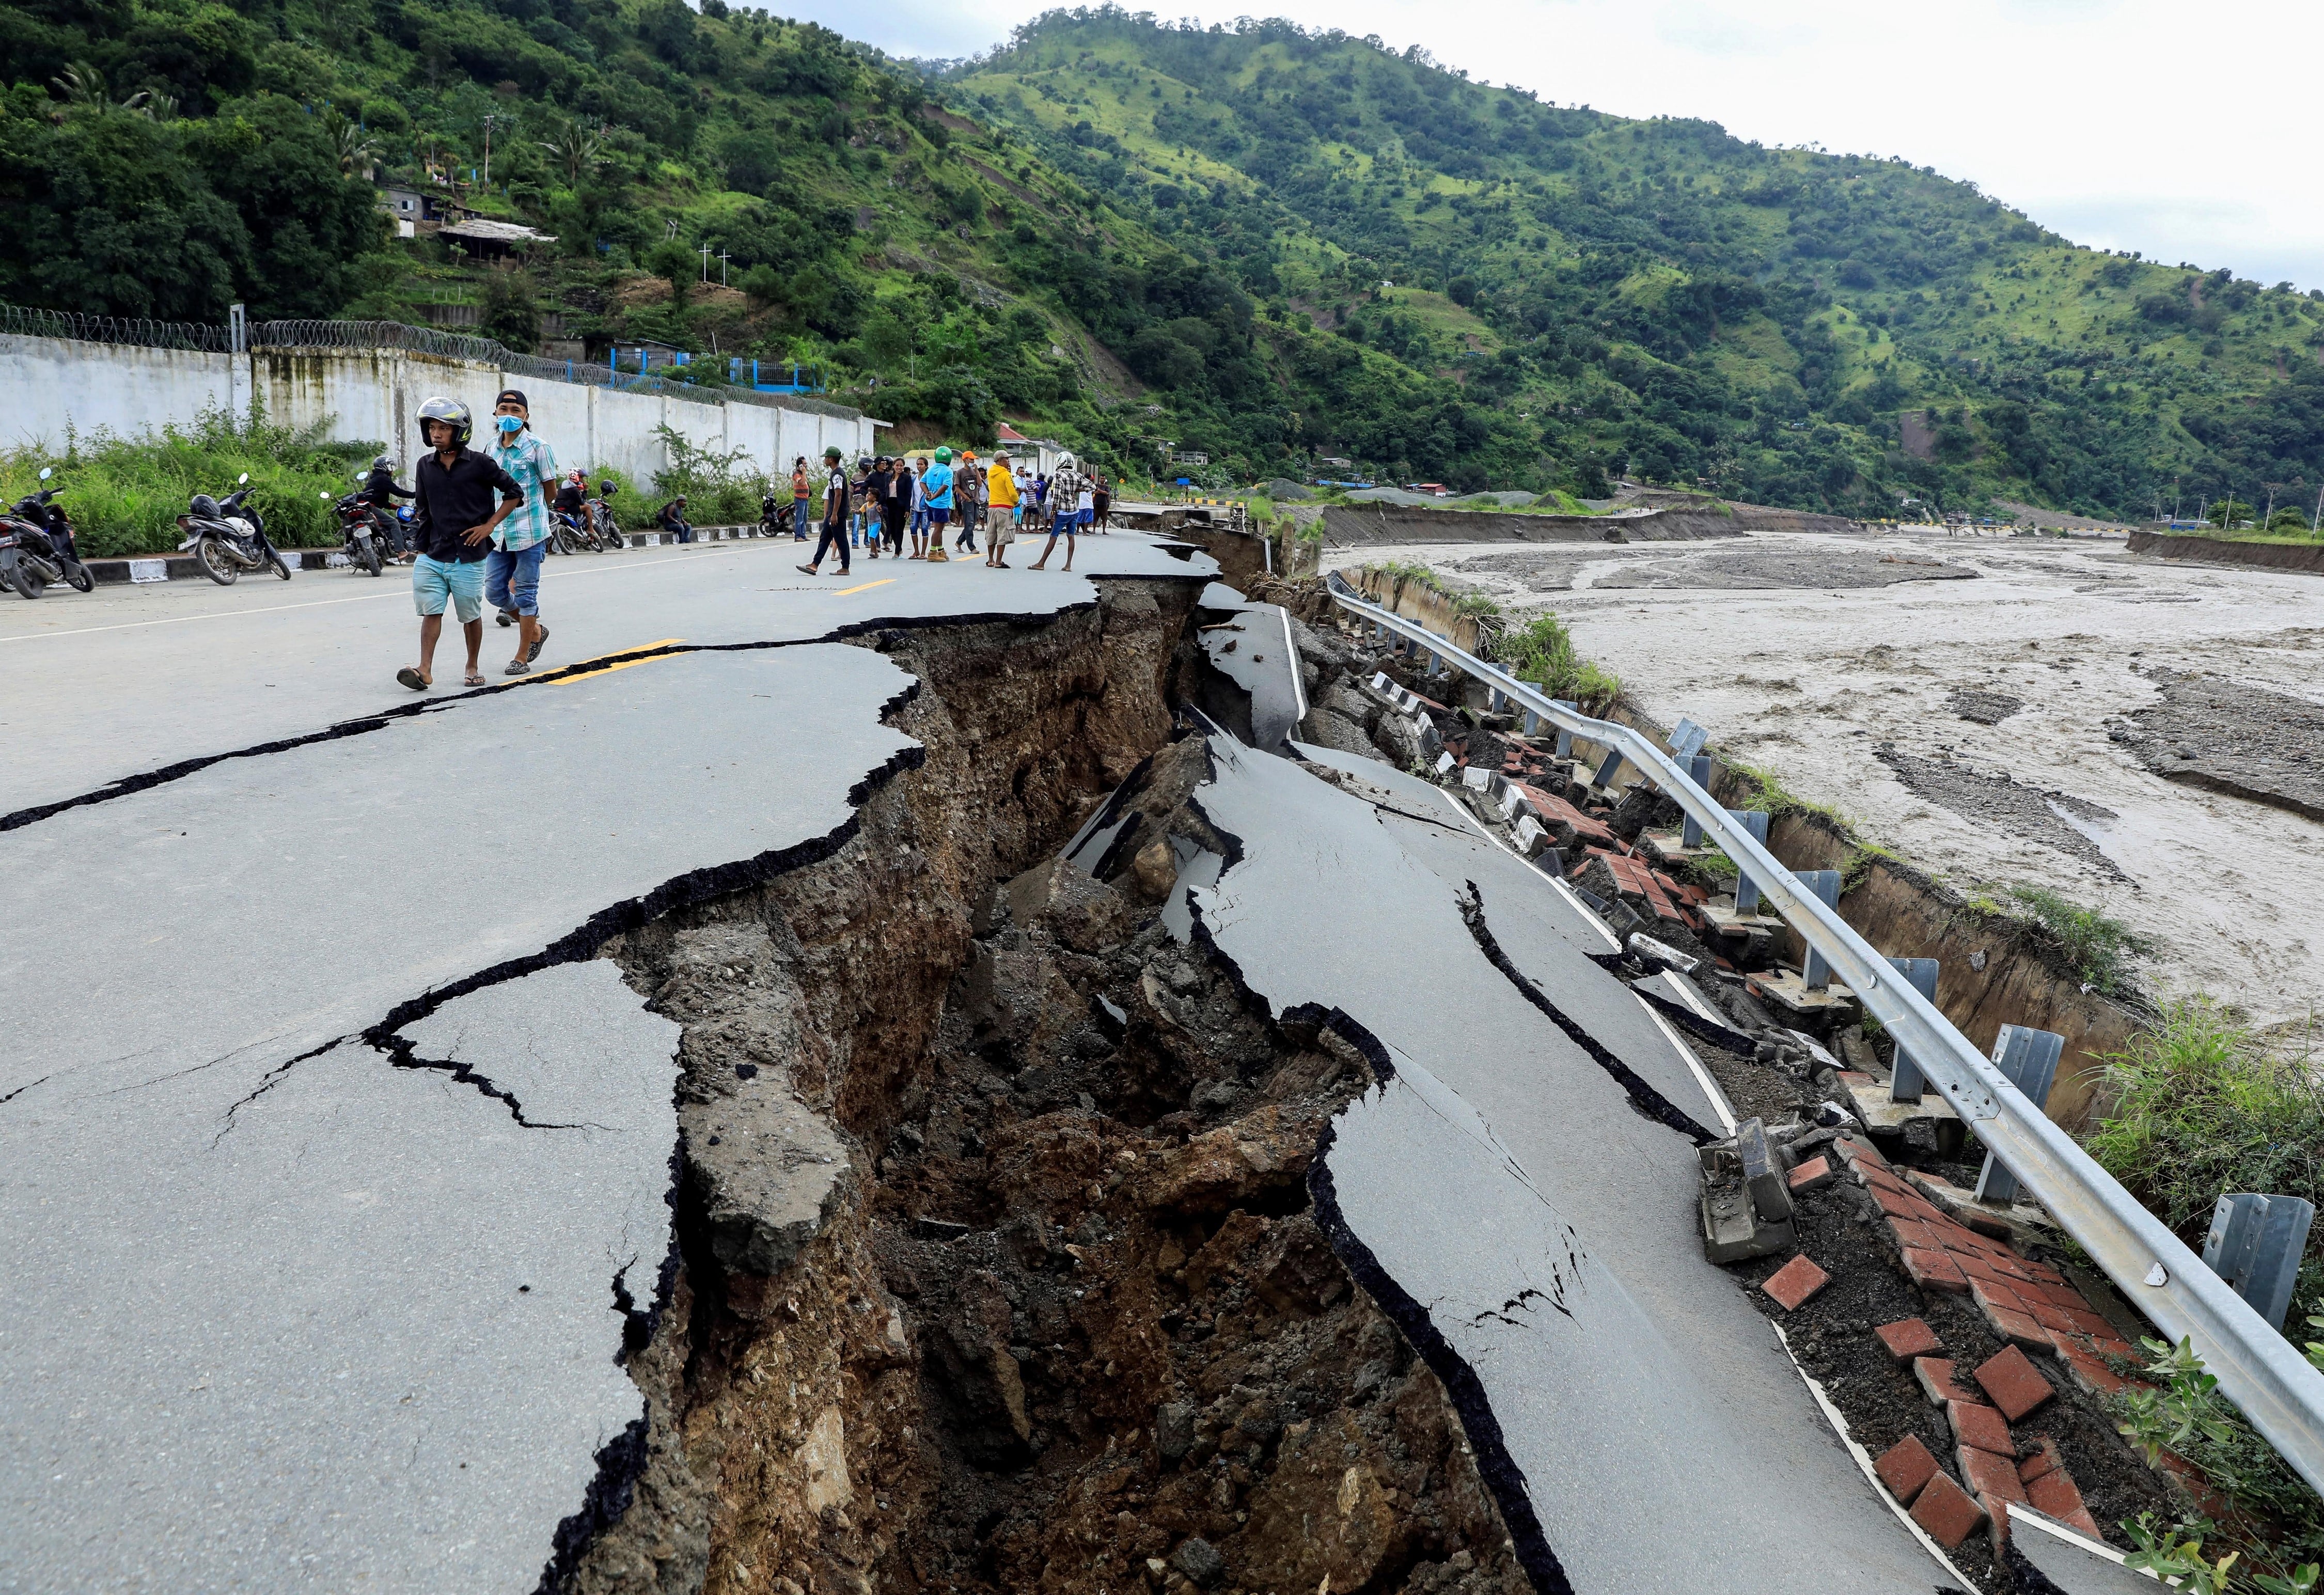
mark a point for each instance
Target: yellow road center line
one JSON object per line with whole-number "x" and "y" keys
{"x": 866, "y": 587}
{"x": 623, "y": 665}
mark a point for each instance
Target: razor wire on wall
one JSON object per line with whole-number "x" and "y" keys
{"x": 26, "y": 322}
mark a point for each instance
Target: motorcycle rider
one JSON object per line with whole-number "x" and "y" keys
{"x": 571, "y": 495}
{"x": 380, "y": 491}
{"x": 672, "y": 519}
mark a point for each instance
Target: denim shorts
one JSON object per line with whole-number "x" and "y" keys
{"x": 460, "y": 581}
{"x": 512, "y": 580}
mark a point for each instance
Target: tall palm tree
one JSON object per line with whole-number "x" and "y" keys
{"x": 577, "y": 150}
{"x": 354, "y": 146}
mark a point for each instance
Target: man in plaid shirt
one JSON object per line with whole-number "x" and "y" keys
{"x": 513, "y": 569}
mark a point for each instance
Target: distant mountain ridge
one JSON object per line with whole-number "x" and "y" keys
{"x": 1825, "y": 331}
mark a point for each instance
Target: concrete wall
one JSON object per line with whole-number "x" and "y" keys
{"x": 376, "y": 394}
{"x": 54, "y": 383}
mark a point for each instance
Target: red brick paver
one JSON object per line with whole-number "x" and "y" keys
{"x": 2044, "y": 1460}
{"x": 1984, "y": 1474}
{"x": 1813, "y": 1175}
{"x": 1796, "y": 1282}
{"x": 1938, "y": 1381}
{"x": 1906, "y": 1468}
{"x": 1977, "y": 1425}
{"x": 1933, "y": 1270}
{"x": 1947, "y": 1512}
{"x": 2015, "y": 1384}
{"x": 1908, "y": 1338}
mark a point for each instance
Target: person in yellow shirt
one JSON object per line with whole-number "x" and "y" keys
{"x": 1000, "y": 518}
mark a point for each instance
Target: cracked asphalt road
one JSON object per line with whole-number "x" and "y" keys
{"x": 338, "y": 1323}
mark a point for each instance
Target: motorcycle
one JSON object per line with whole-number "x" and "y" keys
{"x": 602, "y": 525}
{"x": 37, "y": 545}
{"x": 228, "y": 537}
{"x": 365, "y": 544}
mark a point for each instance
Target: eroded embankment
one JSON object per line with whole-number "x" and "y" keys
{"x": 997, "y": 1267}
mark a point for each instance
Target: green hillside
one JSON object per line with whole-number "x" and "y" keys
{"x": 167, "y": 158}
{"x": 1800, "y": 327}
{"x": 1146, "y": 239}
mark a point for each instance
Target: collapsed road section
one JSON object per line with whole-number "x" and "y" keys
{"x": 973, "y": 1121}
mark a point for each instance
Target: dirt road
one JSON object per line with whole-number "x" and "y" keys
{"x": 1974, "y": 703}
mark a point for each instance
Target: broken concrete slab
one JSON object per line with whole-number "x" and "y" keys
{"x": 769, "y": 1171}
{"x": 1544, "y": 1275}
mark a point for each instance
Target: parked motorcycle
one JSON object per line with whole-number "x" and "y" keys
{"x": 366, "y": 545}
{"x": 37, "y": 545}
{"x": 602, "y": 525}
{"x": 228, "y": 537}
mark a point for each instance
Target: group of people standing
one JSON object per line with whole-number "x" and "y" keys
{"x": 470, "y": 550}
{"x": 925, "y": 498}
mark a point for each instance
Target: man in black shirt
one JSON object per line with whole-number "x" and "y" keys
{"x": 834, "y": 513}
{"x": 453, "y": 520}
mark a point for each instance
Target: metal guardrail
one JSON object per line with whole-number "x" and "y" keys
{"x": 386, "y": 334}
{"x": 2256, "y": 1367}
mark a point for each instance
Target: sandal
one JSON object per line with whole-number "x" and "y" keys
{"x": 473, "y": 679}
{"x": 539, "y": 643}
{"x": 410, "y": 675}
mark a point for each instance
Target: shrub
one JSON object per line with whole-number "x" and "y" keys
{"x": 2100, "y": 949}
{"x": 2204, "y": 1108}
{"x": 1542, "y": 653}
{"x": 716, "y": 493}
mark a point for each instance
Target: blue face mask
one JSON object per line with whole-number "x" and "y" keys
{"x": 511, "y": 425}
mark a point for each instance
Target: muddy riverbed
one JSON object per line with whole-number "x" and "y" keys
{"x": 1980, "y": 705}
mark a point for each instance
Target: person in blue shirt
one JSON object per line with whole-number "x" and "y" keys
{"x": 937, "y": 486}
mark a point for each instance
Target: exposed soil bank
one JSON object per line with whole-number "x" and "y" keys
{"x": 996, "y": 1265}
{"x": 2214, "y": 551}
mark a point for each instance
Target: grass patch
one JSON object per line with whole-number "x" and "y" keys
{"x": 2206, "y": 1106}
{"x": 2100, "y": 949}
{"x": 1542, "y": 651}
{"x": 125, "y": 494}
{"x": 1861, "y": 857}
{"x": 1771, "y": 797}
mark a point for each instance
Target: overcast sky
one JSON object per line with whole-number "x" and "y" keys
{"x": 2189, "y": 133}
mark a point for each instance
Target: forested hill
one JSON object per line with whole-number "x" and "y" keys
{"x": 1793, "y": 327}
{"x": 1145, "y": 239}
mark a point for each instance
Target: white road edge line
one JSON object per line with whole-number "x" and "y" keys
{"x": 1864, "y": 1460}
{"x": 1702, "y": 1077}
{"x": 227, "y": 614}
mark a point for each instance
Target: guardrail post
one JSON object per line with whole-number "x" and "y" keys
{"x": 1564, "y": 737}
{"x": 1607, "y": 770}
{"x": 1687, "y": 740}
{"x": 1532, "y": 723}
{"x": 1825, "y": 884}
{"x": 2028, "y": 1057}
{"x": 1698, "y": 770}
{"x": 2256, "y": 1244}
{"x": 1904, "y": 1082}
{"x": 1746, "y": 891}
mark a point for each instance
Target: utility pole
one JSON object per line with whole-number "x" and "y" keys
{"x": 2316, "y": 521}
{"x": 722, "y": 268}
{"x": 705, "y": 262}
{"x": 489, "y": 120}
